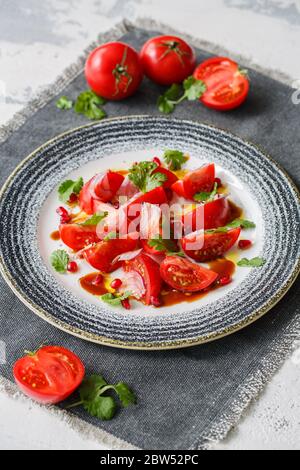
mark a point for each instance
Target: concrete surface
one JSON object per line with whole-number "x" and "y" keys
{"x": 37, "y": 41}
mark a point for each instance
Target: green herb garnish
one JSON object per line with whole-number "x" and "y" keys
{"x": 174, "y": 159}
{"x": 64, "y": 103}
{"x": 206, "y": 197}
{"x": 89, "y": 104}
{"x": 59, "y": 261}
{"x": 164, "y": 245}
{"x": 142, "y": 176}
{"x": 110, "y": 236}
{"x": 94, "y": 219}
{"x": 69, "y": 187}
{"x": 256, "y": 262}
{"x": 193, "y": 89}
{"x": 115, "y": 300}
{"x": 243, "y": 223}
{"x": 96, "y": 401}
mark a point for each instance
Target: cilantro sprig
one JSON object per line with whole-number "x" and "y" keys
{"x": 95, "y": 219}
{"x": 206, "y": 196}
{"x": 174, "y": 159}
{"x": 89, "y": 104}
{"x": 192, "y": 90}
{"x": 69, "y": 187}
{"x": 256, "y": 262}
{"x": 236, "y": 223}
{"x": 115, "y": 300}
{"x": 169, "y": 247}
{"x": 59, "y": 261}
{"x": 96, "y": 400}
{"x": 64, "y": 103}
{"x": 142, "y": 176}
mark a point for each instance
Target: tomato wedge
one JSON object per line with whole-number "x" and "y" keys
{"x": 156, "y": 196}
{"x": 148, "y": 269}
{"x": 215, "y": 214}
{"x": 77, "y": 237}
{"x": 211, "y": 245}
{"x": 101, "y": 188}
{"x": 201, "y": 180}
{"x": 101, "y": 255}
{"x": 171, "y": 177}
{"x": 227, "y": 86}
{"x": 49, "y": 375}
{"x": 185, "y": 276}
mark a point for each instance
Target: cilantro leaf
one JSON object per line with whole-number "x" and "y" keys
{"x": 64, "y": 103}
{"x": 142, "y": 176}
{"x": 89, "y": 104}
{"x": 174, "y": 159}
{"x": 165, "y": 102}
{"x": 193, "y": 88}
{"x": 69, "y": 187}
{"x": 241, "y": 223}
{"x": 168, "y": 246}
{"x": 256, "y": 262}
{"x": 91, "y": 386}
{"x": 125, "y": 394}
{"x": 94, "y": 219}
{"x": 101, "y": 407}
{"x": 59, "y": 261}
{"x": 113, "y": 299}
{"x": 206, "y": 197}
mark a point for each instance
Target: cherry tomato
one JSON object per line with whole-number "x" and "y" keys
{"x": 77, "y": 237}
{"x": 215, "y": 214}
{"x": 114, "y": 71}
{"x": 167, "y": 59}
{"x": 178, "y": 188}
{"x": 148, "y": 269}
{"x": 102, "y": 254}
{"x": 185, "y": 276}
{"x": 49, "y": 375}
{"x": 227, "y": 86}
{"x": 101, "y": 188}
{"x": 211, "y": 245}
{"x": 171, "y": 177}
{"x": 197, "y": 181}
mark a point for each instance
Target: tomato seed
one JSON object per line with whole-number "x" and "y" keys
{"x": 126, "y": 304}
{"x": 244, "y": 244}
{"x": 224, "y": 280}
{"x": 72, "y": 267}
{"x": 157, "y": 161}
{"x": 116, "y": 283}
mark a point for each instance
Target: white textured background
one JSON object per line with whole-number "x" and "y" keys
{"x": 38, "y": 39}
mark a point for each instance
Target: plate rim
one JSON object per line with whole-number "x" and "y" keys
{"x": 164, "y": 345}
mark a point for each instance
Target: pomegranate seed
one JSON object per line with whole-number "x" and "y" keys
{"x": 73, "y": 198}
{"x": 155, "y": 301}
{"x": 224, "y": 280}
{"x": 64, "y": 215}
{"x": 98, "y": 280}
{"x": 244, "y": 244}
{"x": 116, "y": 205}
{"x": 218, "y": 181}
{"x": 157, "y": 161}
{"x": 126, "y": 304}
{"x": 72, "y": 267}
{"x": 116, "y": 283}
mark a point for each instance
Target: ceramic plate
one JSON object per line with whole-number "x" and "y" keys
{"x": 27, "y": 217}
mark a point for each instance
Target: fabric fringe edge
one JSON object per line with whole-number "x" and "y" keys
{"x": 281, "y": 348}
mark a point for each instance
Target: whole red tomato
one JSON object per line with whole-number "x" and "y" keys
{"x": 114, "y": 71}
{"x": 167, "y": 59}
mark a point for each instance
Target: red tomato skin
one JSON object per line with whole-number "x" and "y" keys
{"x": 202, "y": 277}
{"x": 77, "y": 237}
{"x": 38, "y": 395}
{"x": 215, "y": 214}
{"x": 201, "y": 180}
{"x": 149, "y": 271}
{"x": 101, "y": 255}
{"x": 156, "y": 196}
{"x": 178, "y": 188}
{"x": 171, "y": 177}
{"x": 101, "y": 64}
{"x": 149, "y": 249}
{"x": 214, "y": 246}
{"x": 167, "y": 68}
{"x": 218, "y": 71}
{"x": 106, "y": 188}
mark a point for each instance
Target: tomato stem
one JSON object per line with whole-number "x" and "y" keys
{"x": 73, "y": 405}
{"x": 121, "y": 70}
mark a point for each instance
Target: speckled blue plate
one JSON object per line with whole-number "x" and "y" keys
{"x": 258, "y": 184}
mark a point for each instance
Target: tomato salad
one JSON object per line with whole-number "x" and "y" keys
{"x": 166, "y": 229}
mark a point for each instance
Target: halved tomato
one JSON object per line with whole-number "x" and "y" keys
{"x": 49, "y": 375}
{"x": 148, "y": 269}
{"x": 227, "y": 85}
{"x": 213, "y": 214}
{"x": 178, "y": 188}
{"x": 101, "y": 188}
{"x": 171, "y": 177}
{"x": 156, "y": 196}
{"x": 211, "y": 245}
{"x": 197, "y": 181}
{"x": 185, "y": 276}
{"x": 77, "y": 237}
{"x": 101, "y": 255}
